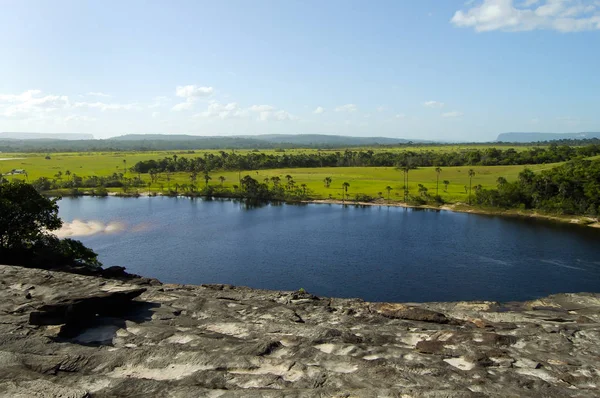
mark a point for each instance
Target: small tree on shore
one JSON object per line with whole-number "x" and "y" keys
{"x": 471, "y": 175}
{"x": 388, "y": 189}
{"x": 345, "y": 187}
{"x": 438, "y": 170}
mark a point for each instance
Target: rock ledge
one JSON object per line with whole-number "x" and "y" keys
{"x": 72, "y": 335}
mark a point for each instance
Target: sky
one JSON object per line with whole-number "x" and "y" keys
{"x": 427, "y": 69}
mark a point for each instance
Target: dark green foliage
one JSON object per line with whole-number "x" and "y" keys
{"x": 573, "y": 188}
{"x": 348, "y": 158}
{"x": 26, "y": 217}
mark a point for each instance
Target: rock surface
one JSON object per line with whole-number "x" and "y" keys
{"x": 225, "y": 341}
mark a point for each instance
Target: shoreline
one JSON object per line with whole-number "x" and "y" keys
{"x": 584, "y": 221}
{"x": 456, "y": 208}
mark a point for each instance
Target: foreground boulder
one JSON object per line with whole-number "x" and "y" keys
{"x": 73, "y": 335}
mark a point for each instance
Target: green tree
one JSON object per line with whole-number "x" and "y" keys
{"x": 26, "y": 221}
{"x": 446, "y": 183}
{"x": 438, "y": 170}
{"x": 207, "y": 178}
{"x": 345, "y": 187}
{"x": 471, "y": 175}
{"x": 327, "y": 181}
{"x": 388, "y": 189}
{"x": 222, "y": 180}
{"x": 25, "y": 215}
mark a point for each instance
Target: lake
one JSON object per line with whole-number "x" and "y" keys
{"x": 375, "y": 253}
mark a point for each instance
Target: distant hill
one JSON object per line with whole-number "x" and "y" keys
{"x": 292, "y": 139}
{"x": 38, "y": 136}
{"x": 537, "y": 137}
{"x": 336, "y": 140}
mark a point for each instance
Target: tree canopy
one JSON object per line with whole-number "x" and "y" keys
{"x": 26, "y": 221}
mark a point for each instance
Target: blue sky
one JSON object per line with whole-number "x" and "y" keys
{"x": 426, "y": 69}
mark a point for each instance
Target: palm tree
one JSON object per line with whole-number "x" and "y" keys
{"x": 124, "y": 166}
{"x": 405, "y": 170}
{"x": 266, "y": 180}
{"x": 193, "y": 179}
{"x": 207, "y": 178}
{"x": 68, "y": 174}
{"x": 438, "y": 170}
{"x": 288, "y": 178}
{"x": 303, "y": 188}
{"x": 327, "y": 181}
{"x": 222, "y": 179}
{"x": 446, "y": 183}
{"x": 276, "y": 180}
{"x": 471, "y": 175}
{"x": 501, "y": 182}
{"x": 388, "y": 189}
{"x": 345, "y": 186}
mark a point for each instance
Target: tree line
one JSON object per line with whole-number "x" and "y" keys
{"x": 365, "y": 158}
{"x": 572, "y": 188}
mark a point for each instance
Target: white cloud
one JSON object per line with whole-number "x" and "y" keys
{"x": 107, "y": 107}
{"x": 98, "y": 94}
{"x": 269, "y": 113}
{"x": 78, "y": 118}
{"x": 159, "y": 101}
{"x": 347, "y": 108}
{"x": 223, "y": 111}
{"x": 276, "y": 116}
{"x": 193, "y": 91}
{"x": 560, "y": 15}
{"x": 262, "y": 108}
{"x": 382, "y": 109}
{"x": 25, "y": 96}
{"x": 232, "y": 110}
{"x": 30, "y": 102}
{"x": 433, "y": 104}
{"x": 319, "y": 110}
{"x": 183, "y": 106}
{"x": 453, "y": 114}
{"x": 400, "y": 116}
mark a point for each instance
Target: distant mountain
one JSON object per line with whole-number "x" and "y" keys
{"x": 158, "y": 137}
{"x": 156, "y": 142}
{"x": 330, "y": 140}
{"x": 43, "y": 136}
{"x": 536, "y": 137}
{"x": 275, "y": 139}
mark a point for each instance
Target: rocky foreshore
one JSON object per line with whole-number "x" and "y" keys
{"x": 69, "y": 335}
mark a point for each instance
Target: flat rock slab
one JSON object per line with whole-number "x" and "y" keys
{"x": 132, "y": 338}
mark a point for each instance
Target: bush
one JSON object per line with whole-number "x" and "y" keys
{"x": 100, "y": 191}
{"x": 361, "y": 197}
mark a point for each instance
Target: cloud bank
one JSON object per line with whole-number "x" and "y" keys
{"x": 508, "y": 15}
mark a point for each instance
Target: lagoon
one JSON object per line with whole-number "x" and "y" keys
{"x": 376, "y": 253}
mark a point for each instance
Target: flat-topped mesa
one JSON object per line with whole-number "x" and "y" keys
{"x": 65, "y": 334}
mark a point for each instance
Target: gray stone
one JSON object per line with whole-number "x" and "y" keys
{"x": 101, "y": 337}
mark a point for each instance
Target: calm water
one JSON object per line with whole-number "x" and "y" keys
{"x": 376, "y": 253}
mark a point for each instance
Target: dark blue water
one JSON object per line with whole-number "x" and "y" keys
{"x": 376, "y": 253}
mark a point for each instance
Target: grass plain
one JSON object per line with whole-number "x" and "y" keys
{"x": 365, "y": 180}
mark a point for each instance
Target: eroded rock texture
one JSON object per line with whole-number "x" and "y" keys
{"x": 79, "y": 336}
